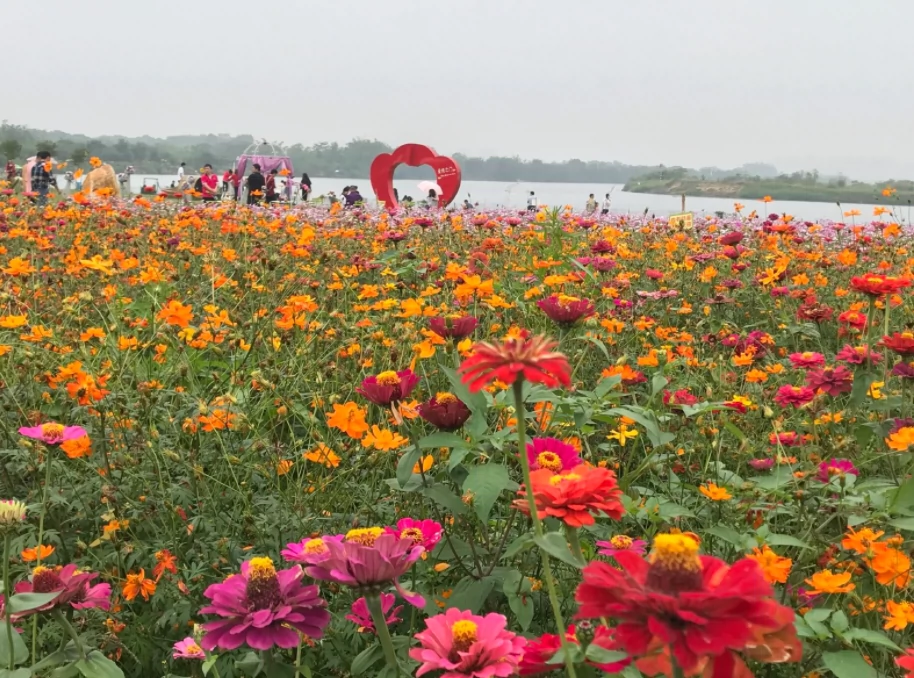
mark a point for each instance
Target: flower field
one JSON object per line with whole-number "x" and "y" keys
{"x": 275, "y": 442}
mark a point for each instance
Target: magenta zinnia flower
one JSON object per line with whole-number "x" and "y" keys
{"x": 836, "y": 467}
{"x": 566, "y": 310}
{"x": 620, "y": 543}
{"x": 762, "y": 464}
{"x": 831, "y": 380}
{"x": 806, "y": 360}
{"x": 364, "y": 557}
{"x": 794, "y": 395}
{"x": 858, "y": 355}
{"x": 552, "y": 454}
{"x": 445, "y": 411}
{"x": 453, "y": 326}
{"x": 261, "y": 608}
{"x": 464, "y": 645}
{"x": 187, "y": 649}
{"x": 52, "y": 433}
{"x": 388, "y": 387}
{"x": 73, "y": 585}
{"x": 361, "y": 615}
{"x": 424, "y": 533}
{"x": 903, "y": 370}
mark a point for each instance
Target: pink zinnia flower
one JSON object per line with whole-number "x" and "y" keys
{"x": 786, "y": 439}
{"x": 836, "y": 467}
{"x": 74, "y": 588}
{"x": 363, "y": 557}
{"x": 762, "y": 464}
{"x": 424, "y": 533}
{"x": 806, "y": 360}
{"x": 903, "y": 370}
{"x": 552, "y": 454}
{"x": 620, "y": 543}
{"x": 388, "y": 387}
{"x": 187, "y": 649}
{"x": 566, "y": 310}
{"x": 52, "y": 433}
{"x": 464, "y": 645}
{"x": 261, "y": 608}
{"x": 361, "y": 615}
{"x": 831, "y": 380}
{"x": 858, "y": 355}
{"x": 794, "y": 395}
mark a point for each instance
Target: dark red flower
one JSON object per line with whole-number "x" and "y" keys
{"x": 831, "y": 380}
{"x": 538, "y": 652}
{"x": 525, "y": 357}
{"x": 388, "y": 387}
{"x": 853, "y": 319}
{"x": 901, "y": 343}
{"x": 566, "y": 310}
{"x": 697, "y": 606}
{"x": 794, "y": 395}
{"x": 878, "y": 285}
{"x": 453, "y": 326}
{"x": 731, "y": 238}
{"x": 674, "y": 400}
{"x": 445, "y": 411}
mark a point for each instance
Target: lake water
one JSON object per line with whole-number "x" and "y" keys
{"x": 491, "y": 194}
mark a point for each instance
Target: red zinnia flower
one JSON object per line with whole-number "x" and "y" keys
{"x": 877, "y": 285}
{"x": 900, "y": 342}
{"x": 453, "y": 326}
{"x": 794, "y": 395}
{"x": 857, "y": 355}
{"x": 832, "y": 380}
{"x": 388, "y": 387}
{"x": 530, "y": 358}
{"x": 566, "y": 310}
{"x": 574, "y": 497}
{"x": 854, "y": 319}
{"x": 445, "y": 411}
{"x": 906, "y": 662}
{"x": 698, "y": 607}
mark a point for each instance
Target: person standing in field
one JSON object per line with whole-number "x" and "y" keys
{"x": 10, "y": 169}
{"x": 305, "y": 187}
{"x": 227, "y": 182}
{"x": 256, "y": 182}
{"x": 591, "y": 205}
{"x": 209, "y": 183}
{"x": 606, "y": 205}
{"x": 42, "y": 178}
{"x": 531, "y": 202}
{"x": 181, "y": 173}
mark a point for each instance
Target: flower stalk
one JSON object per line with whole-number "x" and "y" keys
{"x": 380, "y": 624}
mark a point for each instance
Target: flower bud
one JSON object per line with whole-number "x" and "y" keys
{"x": 12, "y": 513}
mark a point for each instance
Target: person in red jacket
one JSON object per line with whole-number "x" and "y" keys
{"x": 210, "y": 183}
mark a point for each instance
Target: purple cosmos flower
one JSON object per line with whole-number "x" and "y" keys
{"x": 836, "y": 467}
{"x": 361, "y": 615}
{"x": 620, "y": 543}
{"x": 552, "y": 454}
{"x": 364, "y": 557}
{"x": 187, "y": 649}
{"x": 424, "y": 533}
{"x": 261, "y": 608}
{"x": 52, "y": 433}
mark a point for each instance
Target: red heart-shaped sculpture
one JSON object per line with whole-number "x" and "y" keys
{"x": 447, "y": 172}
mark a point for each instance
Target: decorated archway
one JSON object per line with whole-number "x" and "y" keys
{"x": 447, "y": 173}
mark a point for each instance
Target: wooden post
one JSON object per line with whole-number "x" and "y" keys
{"x": 683, "y": 202}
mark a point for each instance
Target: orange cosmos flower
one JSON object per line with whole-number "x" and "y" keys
{"x": 95, "y": 161}
{"x": 863, "y": 541}
{"x": 826, "y": 581}
{"x": 383, "y": 439}
{"x": 165, "y": 560}
{"x": 574, "y": 497}
{"x": 138, "y": 585}
{"x": 348, "y": 418}
{"x": 714, "y": 492}
{"x": 41, "y": 552}
{"x": 891, "y": 567}
{"x": 775, "y": 568}
{"x": 77, "y": 447}
{"x": 176, "y": 313}
{"x": 323, "y": 455}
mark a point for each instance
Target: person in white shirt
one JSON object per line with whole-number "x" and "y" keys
{"x": 181, "y": 173}
{"x": 531, "y": 202}
{"x": 606, "y": 203}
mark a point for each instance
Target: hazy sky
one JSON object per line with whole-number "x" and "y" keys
{"x": 799, "y": 83}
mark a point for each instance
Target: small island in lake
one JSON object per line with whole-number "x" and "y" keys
{"x": 803, "y": 186}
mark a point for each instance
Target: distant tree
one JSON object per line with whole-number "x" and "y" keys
{"x": 79, "y": 155}
{"x": 49, "y": 146}
{"x": 10, "y": 149}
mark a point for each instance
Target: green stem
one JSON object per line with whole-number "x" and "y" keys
{"x": 677, "y": 670}
{"x": 380, "y": 627}
{"x": 519, "y": 413}
{"x": 44, "y": 509}
{"x": 60, "y": 619}
{"x": 6, "y": 593}
{"x": 575, "y": 541}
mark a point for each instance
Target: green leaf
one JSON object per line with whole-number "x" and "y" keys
{"x": 475, "y": 401}
{"x": 470, "y": 594}
{"x": 555, "y": 545}
{"x": 209, "y": 663}
{"x": 277, "y": 670}
{"x": 818, "y": 615}
{"x": 250, "y": 664}
{"x": 22, "y": 602}
{"x": 365, "y": 659}
{"x": 786, "y": 540}
{"x": 97, "y": 665}
{"x": 442, "y": 439}
{"x": 485, "y": 482}
{"x": 874, "y": 637}
{"x": 862, "y": 383}
{"x": 522, "y": 543}
{"x": 903, "y": 524}
{"x": 839, "y": 623}
{"x": 600, "y": 655}
{"x": 19, "y": 651}
{"x": 903, "y": 499}
{"x": 517, "y": 590}
{"x": 406, "y": 464}
{"x": 442, "y": 495}
{"x": 648, "y": 420}
{"x": 728, "y": 534}
{"x": 848, "y": 664}
{"x": 779, "y": 477}
{"x": 16, "y": 673}
{"x": 735, "y": 431}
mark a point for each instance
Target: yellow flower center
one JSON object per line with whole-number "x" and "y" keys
{"x": 52, "y": 431}
{"x": 444, "y": 397}
{"x": 675, "y": 552}
{"x": 555, "y": 480}
{"x": 463, "y": 633}
{"x": 566, "y": 301}
{"x": 549, "y": 460}
{"x": 193, "y": 648}
{"x": 907, "y": 335}
{"x": 807, "y": 354}
{"x": 38, "y": 570}
{"x": 413, "y": 533}
{"x": 315, "y": 546}
{"x": 366, "y": 536}
{"x": 389, "y": 378}
{"x": 621, "y": 541}
{"x": 262, "y": 568}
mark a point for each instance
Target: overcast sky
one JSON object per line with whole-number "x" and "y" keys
{"x": 824, "y": 84}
